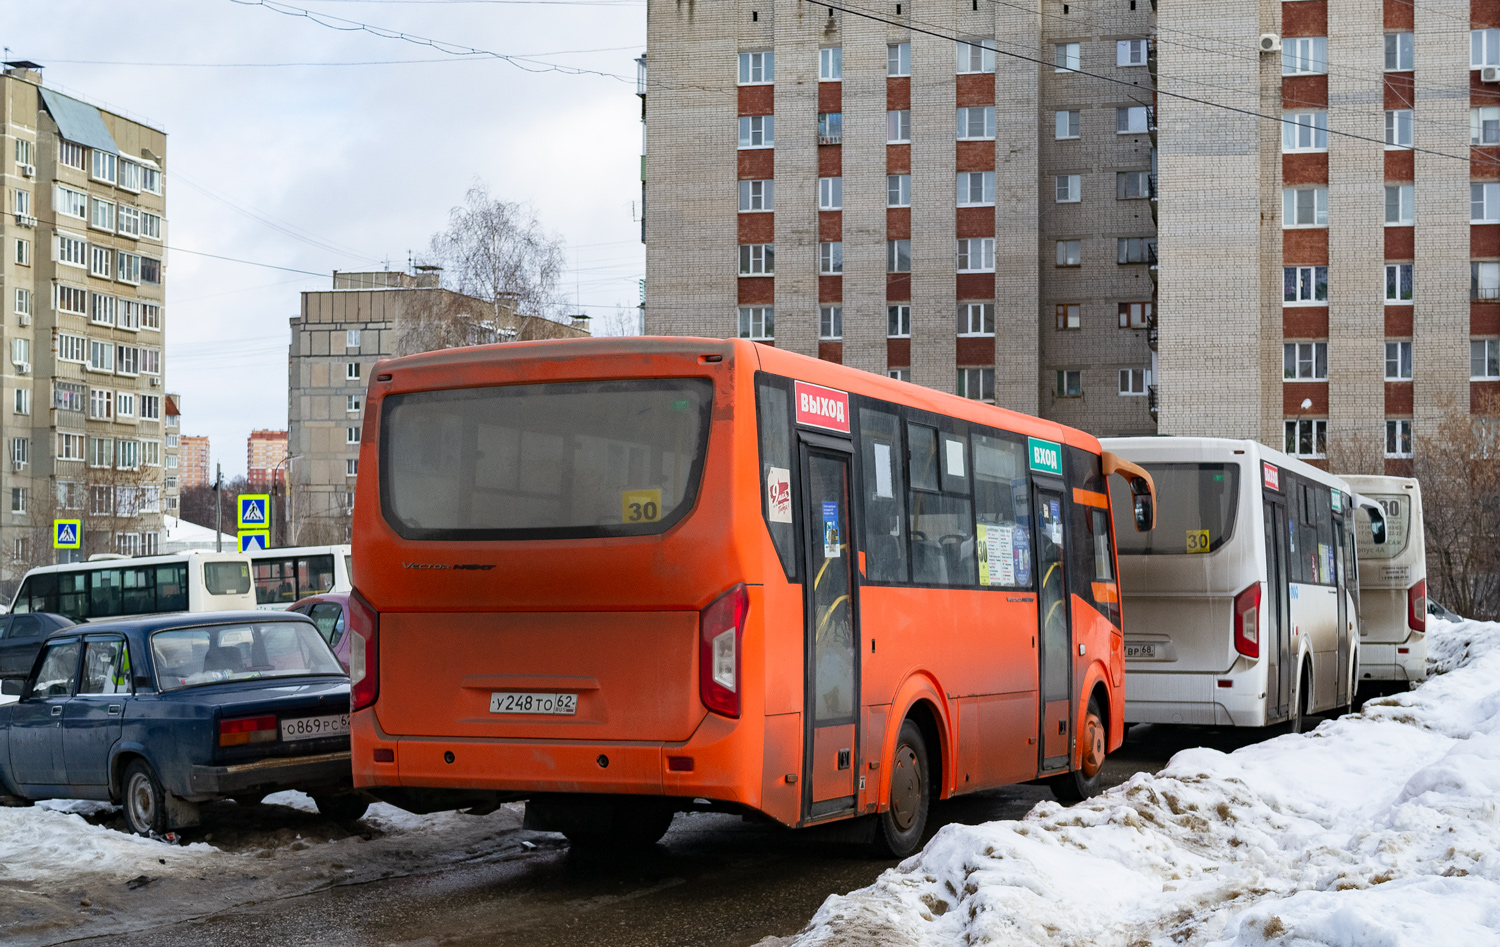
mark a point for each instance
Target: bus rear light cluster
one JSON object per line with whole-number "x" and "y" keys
{"x": 1247, "y": 622}
{"x": 721, "y": 628}
{"x": 364, "y": 653}
{"x": 1416, "y": 606}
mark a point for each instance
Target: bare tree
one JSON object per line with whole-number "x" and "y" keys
{"x": 1352, "y": 450}
{"x": 1458, "y": 466}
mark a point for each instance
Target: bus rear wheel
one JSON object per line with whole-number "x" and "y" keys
{"x": 899, "y": 830}
{"x": 1086, "y": 781}
{"x": 1301, "y": 719}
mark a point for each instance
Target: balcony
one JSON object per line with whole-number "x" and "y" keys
{"x": 1151, "y": 400}
{"x": 835, "y": 138}
{"x": 640, "y": 76}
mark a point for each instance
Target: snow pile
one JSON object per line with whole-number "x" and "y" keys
{"x": 1381, "y": 828}
{"x": 52, "y": 841}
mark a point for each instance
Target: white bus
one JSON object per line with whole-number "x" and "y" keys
{"x": 285, "y": 575}
{"x": 1392, "y": 585}
{"x": 120, "y": 586}
{"x": 1239, "y": 607}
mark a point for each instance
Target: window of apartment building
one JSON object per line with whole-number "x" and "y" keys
{"x": 1484, "y": 48}
{"x": 124, "y": 405}
{"x": 830, "y": 257}
{"x": 69, "y": 250}
{"x": 18, "y": 499}
{"x": 150, "y": 361}
{"x": 101, "y": 496}
{"x": 173, "y": 442}
{"x": 351, "y": 338}
{"x": 127, "y": 267}
{"x": 1132, "y": 120}
{"x": 151, "y": 453}
{"x": 976, "y": 255}
{"x": 1484, "y": 125}
{"x": 1130, "y": 52}
{"x": 104, "y": 168}
{"x": 1399, "y": 52}
{"x": 1135, "y": 315}
{"x": 1400, "y": 204}
{"x": 101, "y": 262}
{"x": 1069, "y": 253}
{"x": 128, "y": 457}
{"x": 976, "y": 188}
{"x": 1070, "y": 383}
{"x": 898, "y": 59}
{"x": 1398, "y": 361}
{"x": 1304, "y": 131}
{"x": 70, "y": 154}
{"x": 70, "y": 299}
{"x": 150, "y": 225}
{"x": 1304, "y": 207}
{"x": 1304, "y": 361}
{"x": 974, "y": 57}
{"x": 128, "y": 315}
{"x": 976, "y": 319}
{"x": 102, "y": 309}
{"x": 830, "y": 323}
{"x": 1484, "y": 203}
{"x": 101, "y": 404}
{"x": 1069, "y": 316}
{"x": 1398, "y": 283}
{"x": 25, "y": 152}
{"x": 754, "y": 196}
{"x": 23, "y": 252}
{"x": 150, "y": 407}
{"x": 351, "y": 371}
{"x": 975, "y": 383}
{"x": 900, "y": 374}
{"x": 22, "y": 199}
{"x": 150, "y": 271}
{"x": 977, "y": 123}
{"x": 130, "y": 221}
{"x": 20, "y": 452}
{"x": 1134, "y": 381}
{"x": 1068, "y": 188}
{"x": 351, "y": 404}
{"x": 898, "y": 190}
{"x": 127, "y": 360}
{"x": 1132, "y": 185}
{"x": 898, "y": 127}
{"x": 1306, "y": 437}
{"x": 151, "y": 316}
{"x": 69, "y": 447}
{"x": 351, "y": 467}
{"x": 1398, "y": 437}
{"x": 757, "y": 131}
{"x": 1304, "y": 55}
{"x": 758, "y": 68}
{"x": 1484, "y": 281}
{"x": 898, "y": 256}
{"x": 130, "y": 176}
{"x": 1067, "y": 125}
{"x": 1304, "y": 285}
{"x": 898, "y": 322}
{"x": 831, "y": 193}
{"x": 1484, "y": 359}
{"x": 351, "y": 435}
{"x": 1135, "y": 250}
{"x": 830, "y": 128}
{"x": 830, "y": 64}
{"x": 72, "y": 348}
{"x": 1398, "y": 128}
{"x": 23, "y": 302}
{"x": 1067, "y": 57}
{"x": 102, "y": 214}
{"x": 70, "y": 201}
{"x": 150, "y": 180}
{"x": 23, "y": 401}
{"x": 757, "y": 259}
{"x": 757, "y": 322}
{"x": 20, "y": 354}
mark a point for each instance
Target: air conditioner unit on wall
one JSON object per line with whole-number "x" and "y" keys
{"x": 1270, "y": 43}
{"x": 1489, "y": 74}
{"x": 25, "y": 319}
{"x": 156, "y": 383}
{"x": 28, "y": 170}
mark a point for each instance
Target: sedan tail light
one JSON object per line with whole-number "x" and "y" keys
{"x": 1416, "y": 606}
{"x": 248, "y": 730}
{"x": 364, "y": 652}
{"x": 1247, "y": 622}
{"x": 721, "y": 628}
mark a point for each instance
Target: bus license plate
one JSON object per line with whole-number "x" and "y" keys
{"x": 513, "y": 702}
{"x": 1145, "y": 650}
{"x": 308, "y": 728}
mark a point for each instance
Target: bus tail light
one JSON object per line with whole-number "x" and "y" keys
{"x": 244, "y": 730}
{"x": 721, "y": 628}
{"x": 364, "y": 653}
{"x": 1247, "y": 622}
{"x": 1416, "y": 606}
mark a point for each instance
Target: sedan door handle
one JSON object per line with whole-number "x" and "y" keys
{"x": 57, "y": 710}
{"x": 113, "y": 709}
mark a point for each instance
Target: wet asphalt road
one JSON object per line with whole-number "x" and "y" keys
{"x": 714, "y": 879}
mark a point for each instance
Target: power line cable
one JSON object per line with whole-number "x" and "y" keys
{"x": 362, "y": 62}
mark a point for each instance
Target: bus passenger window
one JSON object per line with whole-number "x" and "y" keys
{"x": 922, "y": 441}
{"x": 884, "y": 496}
{"x": 171, "y": 588}
{"x": 1323, "y": 508}
{"x": 1000, "y": 510}
{"x": 774, "y": 414}
{"x": 942, "y": 525}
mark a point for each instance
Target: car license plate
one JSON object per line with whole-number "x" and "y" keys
{"x": 1143, "y": 650}
{"x": 514, "y": 702}
{"x": 308, "y": 728}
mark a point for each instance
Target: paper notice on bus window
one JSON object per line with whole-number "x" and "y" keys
{"x": 640, "y": 506}
{"x": 882, "y": 470}
{"x": 955, "y": 457}
{"x": 831, "y": 545}
{"x": 779, "y": 495}
{"x": 996, "y": 555}
{"x": 1197, "y": 540}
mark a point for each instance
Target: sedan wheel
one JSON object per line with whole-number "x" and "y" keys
{"x": 144, "y": 799}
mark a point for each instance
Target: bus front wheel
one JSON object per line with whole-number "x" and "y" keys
{"x": 1088, "y": 780}
{"x": 901, "y": 825}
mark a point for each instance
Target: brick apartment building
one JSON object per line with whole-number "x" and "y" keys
{"x": 911, "y": 203}
{"x": 193, "y": 462}
{"x": 265, "y": 457}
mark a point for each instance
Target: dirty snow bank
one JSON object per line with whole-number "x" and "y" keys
{"x": 1381, "y": 828}
{"x": 52, "y": 841}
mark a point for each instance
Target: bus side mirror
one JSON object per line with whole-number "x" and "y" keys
{"x": 1145, "y": 507}
{"x": 1377, "y": 526}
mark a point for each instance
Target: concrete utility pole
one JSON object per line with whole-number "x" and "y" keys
{"x": 218, "y": 507}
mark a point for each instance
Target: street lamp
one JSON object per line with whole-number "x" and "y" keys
{"x": 290, "y": 501}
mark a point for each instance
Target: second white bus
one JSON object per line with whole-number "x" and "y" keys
{"x": 121, "y": 586}
{"x": 285, "y": 575}
{"x": 1392, "y": 585}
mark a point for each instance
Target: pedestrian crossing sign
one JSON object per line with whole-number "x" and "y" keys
{"x": 254, "y": 511}
{"x": 67, "y": 534}
{"x": 254, "y": 539}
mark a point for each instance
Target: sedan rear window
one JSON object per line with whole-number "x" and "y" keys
{"x": 189, "y": 657}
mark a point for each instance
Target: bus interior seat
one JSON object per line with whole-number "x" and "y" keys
{"x": 223, "y": 658}
{"x": 928, "y": 564}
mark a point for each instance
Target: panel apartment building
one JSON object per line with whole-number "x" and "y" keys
{"x": 901, "y": 196}
{"x": 83, "y": 282}
{"x": 1330, "y": 283}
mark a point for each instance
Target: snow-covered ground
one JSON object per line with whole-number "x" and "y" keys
{"x": 1381, "y": 828}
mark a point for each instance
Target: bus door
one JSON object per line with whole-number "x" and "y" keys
{"x": 831, "y": 632}
{"x": 1056, "y": 651}
{"x": 1277, "y": 609}
{"x": 1341, "y": 583}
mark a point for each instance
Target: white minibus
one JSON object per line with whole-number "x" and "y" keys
{"x": 121, "y": 586}
{"x": 286, "y": 575}
{"x": 1392, "y": 585}
{"x": 1239, "y": 607}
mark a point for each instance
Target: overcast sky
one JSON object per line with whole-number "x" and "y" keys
{"x": 347, "y": 166}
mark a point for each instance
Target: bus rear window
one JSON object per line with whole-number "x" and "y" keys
{"x": 1195, "y": 513}
{"x": 568, "y": 460}
{"x": 226, "y": 578}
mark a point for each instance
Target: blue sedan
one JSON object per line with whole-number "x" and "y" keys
{"x": 159, "y": 714}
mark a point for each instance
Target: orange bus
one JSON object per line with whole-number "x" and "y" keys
{"x": 621, "y": 578}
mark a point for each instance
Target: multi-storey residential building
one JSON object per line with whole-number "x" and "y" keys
{"x": 193, "y": 462}
{"x": 897, "y": 193}
{"x": 171, "y": 445}
{"x": 1330, "y": 282}
{"x": 339, "y": 336}
{"x": 265, "y": 457}
{"x": 83, "y": 272}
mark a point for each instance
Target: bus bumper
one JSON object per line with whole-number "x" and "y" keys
{"x": 1198, "y": 699}
{"x": 1406, "y": 661}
